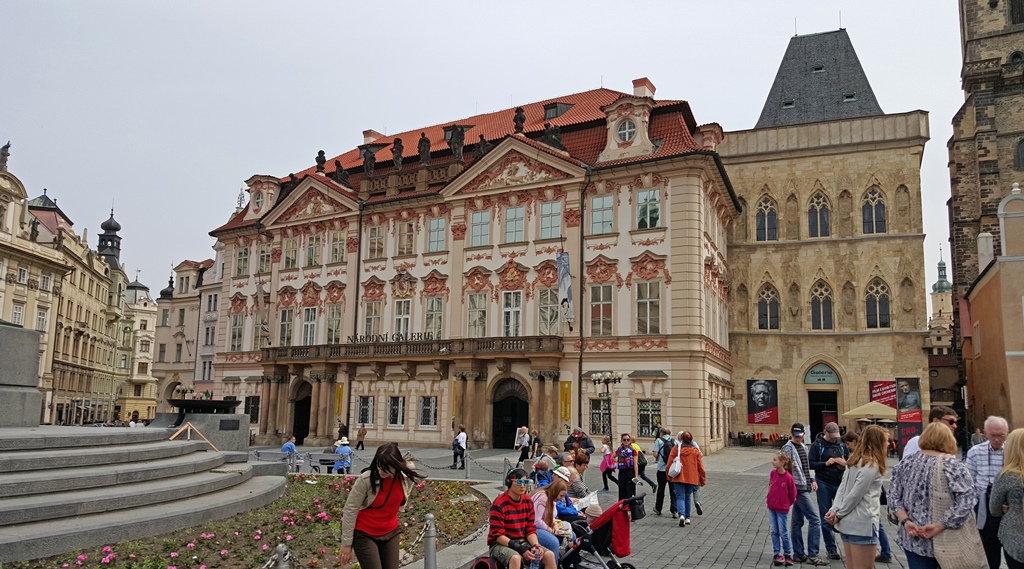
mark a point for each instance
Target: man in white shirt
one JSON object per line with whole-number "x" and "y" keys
{"x": 984, "y": 461}
{"x": 943, "y": 414}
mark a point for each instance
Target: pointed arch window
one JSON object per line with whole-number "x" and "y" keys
{"x": 768, "y": 309}
{"x": 1018, "y": 161}
{"x": 767, "y": 220}
{"x": 877, "y": 304}
{"x": 818, "y": 216}
{"x": 873, "y": 212}
{"x": 821, "y": 307}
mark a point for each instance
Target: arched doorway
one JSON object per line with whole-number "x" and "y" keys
{"x": 300, "y": 422}
{"x": 822, "y": 383}
{"x": 510, "y": 410}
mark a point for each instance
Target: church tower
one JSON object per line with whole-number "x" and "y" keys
{"x": 942, "y": 300}
{"x": 110, "y": 242}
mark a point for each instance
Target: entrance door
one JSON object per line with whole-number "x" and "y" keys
{"x": 511, "y": 410}
{"x": 823, "y": 407}
{"x": 300, "y": 427}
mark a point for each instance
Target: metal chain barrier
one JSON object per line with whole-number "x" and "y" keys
{"x": 470, "y": 458}
{"x": 408, "y": 555}
{"x": 419, "y": 461}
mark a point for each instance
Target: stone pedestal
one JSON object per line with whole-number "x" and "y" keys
{"x": 227, "y": 432}
{"x": 20, "y": 399}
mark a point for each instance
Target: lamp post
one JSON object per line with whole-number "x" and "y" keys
{"x": 607, "y": 378}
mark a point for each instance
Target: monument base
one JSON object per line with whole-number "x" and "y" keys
{"x": 20, "y": 399}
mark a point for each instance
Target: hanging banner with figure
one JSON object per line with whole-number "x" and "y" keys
{"x": 883, "y": 392}
{"x": 908, "y": 408}
{"x": 564, "y": 287}
{"x": 762, "y": 402}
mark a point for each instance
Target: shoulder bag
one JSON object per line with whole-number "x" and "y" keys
{"x": 954, "y": 548}
{"x": 677, "y": 465}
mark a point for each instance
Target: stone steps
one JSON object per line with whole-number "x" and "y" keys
{"x": 26, "y": 509}
{"x": 72, "y": 478}
{"x": 46, "y": 538}
{"x": 79, "y": 456}
{"x": 45, "y": 436}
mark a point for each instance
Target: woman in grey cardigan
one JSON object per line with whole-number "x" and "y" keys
{"x": 1007, "y": 500}
{"x": 855, "y": 510}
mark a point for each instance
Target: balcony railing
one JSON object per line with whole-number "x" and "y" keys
{"x": 426, "y": 348}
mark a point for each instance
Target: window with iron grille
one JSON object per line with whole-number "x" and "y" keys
{"x": 648, "y": 414}
{"x": 252, "y": 408}
{"x": 600, "y": 417}
{"x": 396, "y": 412}
{"x": 364, "y": 410}
{"x": 428, "y": 411}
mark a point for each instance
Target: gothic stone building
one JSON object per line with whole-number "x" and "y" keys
{"x": 827, "y": 260}
{"x": 411, "y": 284}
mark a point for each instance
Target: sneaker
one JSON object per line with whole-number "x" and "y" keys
{"x": 818, "y": 562}
{"x": 799, "y": 558}
{"x": 883, "y": 559}
{"x": 696, "y": 506}
{"x": 687, "y": 521}
{"x": 682, "y": 521}
{"x": 657, "y": 512}
{"x": 778, "y": 561}
{"x": 834, "y": 555}
{"x": 789, "y": 560}
{"x": 604, "y": 490}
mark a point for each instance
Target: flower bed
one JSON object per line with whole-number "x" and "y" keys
{"x": 307, "y": 519}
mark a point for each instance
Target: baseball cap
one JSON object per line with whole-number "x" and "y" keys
{"x": 831, "y": 428}
{"x": 577, "y": 432}
{"x": 797, "y": 429}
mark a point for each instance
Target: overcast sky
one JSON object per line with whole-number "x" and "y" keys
{"x": 165, "y": 108}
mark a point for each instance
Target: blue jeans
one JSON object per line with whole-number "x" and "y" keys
{"x": 780, "y": 532}
{"x": 826, "y": 495}
{"x": 802, "y": 510}
{"x": 548, "y": 541}
{"x": 683, "y": 493}
{"x": 915, "y": 561}
{"x": 883, "y": 540}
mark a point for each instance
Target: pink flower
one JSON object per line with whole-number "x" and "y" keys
{"x": 192, "y": 545}
{"x": 83, "y": 557}
{"x": 174, "y": 554}
{"x": 259, "y": 531}
{"x": 171, "y": 567}
{"x": 265, "y": 547}
{"x": 131, "y": 556}
{"x": 288, "y": 538}
{"x": 406, "y": 524}
{"x": 65, "y": 566}
{"x": 256, "y": 538}
{"x": 106, "y": 549}
{"x": 284, "y": 519}
{"x": 78, "y": 562}
{"x": 202, "y": 567}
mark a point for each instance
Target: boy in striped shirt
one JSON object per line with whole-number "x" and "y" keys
{"x": 512, "y": 535}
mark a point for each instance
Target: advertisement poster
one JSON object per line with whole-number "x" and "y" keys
{"x": 564, "y": 287}
{"x": 884, "y": 392}
{"x": 564, "y": 400}
{"x": 908, "y": 408}
{"x": 339, "y": 399}
{"x": 762, "y": 402}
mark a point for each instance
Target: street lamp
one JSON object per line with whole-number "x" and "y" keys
{"x": 607, "y": 378}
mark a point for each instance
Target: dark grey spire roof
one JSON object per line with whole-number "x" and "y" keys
{"x": 820, "y": 79}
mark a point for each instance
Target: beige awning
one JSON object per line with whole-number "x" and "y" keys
{"x": 872, "y": 410}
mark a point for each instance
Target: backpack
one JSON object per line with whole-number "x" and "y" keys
{"x": 666, "y": 449}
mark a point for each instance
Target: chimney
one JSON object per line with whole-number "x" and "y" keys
{"x": 985, "y": 251}
{"x": 370, "y": 136}
{"x": 643, "y": 87}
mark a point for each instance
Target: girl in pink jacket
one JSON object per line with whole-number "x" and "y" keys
{"x": 781, "y": 497}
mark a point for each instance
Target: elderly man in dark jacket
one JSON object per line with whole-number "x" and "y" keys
{"x": 580, "y": 441}
{"x": 828, "y": 460}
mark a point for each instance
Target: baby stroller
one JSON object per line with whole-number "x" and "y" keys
{"x": 597, "y": 546}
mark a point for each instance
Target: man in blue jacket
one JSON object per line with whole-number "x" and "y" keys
{"x": 828, "y": 460}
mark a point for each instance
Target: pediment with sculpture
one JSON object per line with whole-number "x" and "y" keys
{"x": 514, "y": 169}
{"x": 313, "y": 203}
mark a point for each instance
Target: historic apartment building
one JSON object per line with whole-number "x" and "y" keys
{"x": 179, "y": 336}
{"x": 137, "y": 395}
{"x": 826, "y": 260}
{"x": 559, "y": 263}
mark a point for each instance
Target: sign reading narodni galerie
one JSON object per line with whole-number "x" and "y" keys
{"x": 564, "y": 400}
{"x": 821, "y": 374}
{"x": 384, "y": 338}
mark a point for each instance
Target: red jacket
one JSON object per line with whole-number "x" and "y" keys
{"x": 781, "y": 492}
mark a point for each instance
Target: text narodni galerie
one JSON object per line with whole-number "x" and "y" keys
{"x": 383, "y": 338}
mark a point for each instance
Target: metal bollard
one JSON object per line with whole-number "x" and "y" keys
{"x": 465, "y": 462}
{"x": 430, "y": 544}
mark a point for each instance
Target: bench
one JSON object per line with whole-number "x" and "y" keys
{"x": 293, "y": 459}
{"x": 315, "y": 459}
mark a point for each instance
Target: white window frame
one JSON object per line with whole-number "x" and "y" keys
{"x": 602, "y": 295}
{"x": 42, "y": 319}
{"x": 23, "y": 275}
{"x": 337, "y": 247}
{"x": 290, "y": 253}
{"x": 207, "y": 370}
{"x": 44, "y": 281}
{"x": 241, "y": 263}
{"x": 334, "y": 316}
{"x": 433, "y": 317}
{"x": 396, "y": 411}
{"x": 266, "y": 260}
{"x": 406, "y": 238}
{"x": 480, "y": 228}
{"x": 548, "y": 312}
{"x": 314, "y": 249}
{"x": 515, "y": 224}
{"x": 18, "y": 314}
{"x": 437, "y": 228}
{"x": 648, "y": 208}
{"x": 286, "y": 327}
{"x": 428, "y": 410}
{"x": 602, "y": 215}
{"x": 371, "y": 317}
{"x": 551, "y": 220}
{"x": 652, "y": 305}
{"x": 309, "y": 326}
{"x": 403, "y": 317}
{"x": 512, "y": 313}
{"x": 477, "y": 306}
{"x": 209, "y": 336}
{"x": 365, "y": 410}
{"x": 375, "y": 242}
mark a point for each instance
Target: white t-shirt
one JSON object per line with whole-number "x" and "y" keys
{"x": 911, "y": 448}
{"x": 461, "y": 439}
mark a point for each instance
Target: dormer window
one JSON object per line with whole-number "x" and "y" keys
{"x": 818, "y": 69}
{"x": 258, "y": 200}
{"x": 788, "y": 104}
{"x": 627, "y": 130}
{"x": 555, "y": 110}
{"x": 849, "y": 97}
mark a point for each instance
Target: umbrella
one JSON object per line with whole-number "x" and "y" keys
{"x": 865, "y": 420}
{"x": 873, "y": 410}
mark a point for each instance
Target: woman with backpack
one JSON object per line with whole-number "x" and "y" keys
{"x": 641, "y": 462}
{"x": 662, "y": 448}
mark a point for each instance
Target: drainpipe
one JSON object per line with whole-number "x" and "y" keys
{"x": 355, "y": 312}
{"x": 582, "y": 266}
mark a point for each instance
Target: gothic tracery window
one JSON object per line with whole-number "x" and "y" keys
{"x": 767, "y": 220}
{"x": 818, "y": 216}
{"x": 768, "y": 309}
{"x": 877, "y": 304}
{"x": 873, "y": 212}
{"x": 821, "y": 307}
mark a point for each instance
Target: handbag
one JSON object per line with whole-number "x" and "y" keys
{"x": 676, "y": 467}
{"x": 641, "y": 460}
{"x": 954, "y": 548}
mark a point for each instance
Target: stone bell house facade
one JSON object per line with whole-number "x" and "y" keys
{"x": 827, "y": 258}
{"x": 413, "y": 286}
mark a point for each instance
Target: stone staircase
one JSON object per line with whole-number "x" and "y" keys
{"x": 66, "y": 488}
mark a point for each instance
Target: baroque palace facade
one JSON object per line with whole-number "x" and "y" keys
{"x": 828, "y": 310}
{"x": 414, "y": 283}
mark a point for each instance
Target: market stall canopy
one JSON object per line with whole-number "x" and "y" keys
{"x": 872, "y": 410}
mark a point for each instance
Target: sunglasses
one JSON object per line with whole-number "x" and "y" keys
{"x": 522, "y": 481}
{"x": 949, "y": 422}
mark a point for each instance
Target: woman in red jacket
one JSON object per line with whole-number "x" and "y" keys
{"x": 690, "y": 477}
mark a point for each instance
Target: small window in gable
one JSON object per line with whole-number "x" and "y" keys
{"x": 818, "y": 69}
{"x": 555, "y": 110}
{"x": 849, "y": 97}
{"x": 788, "y": 104}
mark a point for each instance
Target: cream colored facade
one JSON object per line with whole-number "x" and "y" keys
{"x": 178, "y": 334}
{"x": 137, "y": 395}
{"x": 794, "y": 173}
{"x": 30, "y": 273}
{"x": 421, "y": 310}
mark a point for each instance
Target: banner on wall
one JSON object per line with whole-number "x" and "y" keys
{"x": 762, "y": 402}
{"x": 564, "y": 287}
{"x": 883, "y": 392}
{"x": 564, "y": 400}
{"x": 908, "y": 408}
{"x": 339, "y": 399}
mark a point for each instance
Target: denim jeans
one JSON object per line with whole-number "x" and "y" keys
{"x": 780, "y": 532}
{"x": 915, "y": 561}
{"x": 683, "y": 493}
{"x": 826, "y": 495}
{"x": 548, "y": 541}
{"x": 802, "y": 510}
{"x": 883, "y": 539}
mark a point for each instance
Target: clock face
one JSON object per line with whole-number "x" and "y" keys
{"x": 258, "y": 200}
{"x": 627, "y": 130}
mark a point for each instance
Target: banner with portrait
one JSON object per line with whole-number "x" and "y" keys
{"x": 883, "y": 392}
{"x": 763, "y": 402}
{"x": 564, "y": 287}
{"x": 908, "y": 408}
